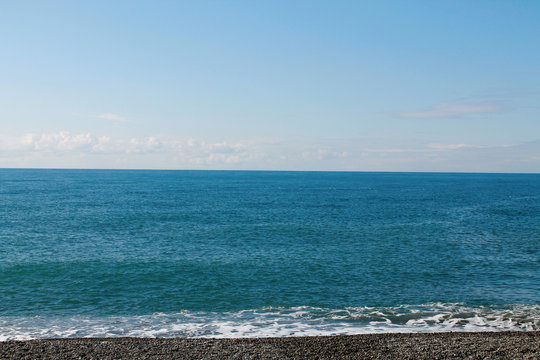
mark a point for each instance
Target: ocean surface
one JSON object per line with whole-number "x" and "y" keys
{"x": 243, "y": 254}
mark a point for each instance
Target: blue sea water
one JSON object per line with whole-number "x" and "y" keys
{"x": 241, "y": 253}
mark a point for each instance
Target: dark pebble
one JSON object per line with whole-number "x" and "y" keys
{"x": 488, "y": 345}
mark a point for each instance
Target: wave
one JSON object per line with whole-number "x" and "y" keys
{"x": 280, "y": 322}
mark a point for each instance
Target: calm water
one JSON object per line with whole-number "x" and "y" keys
{"x": 204, "y": 253}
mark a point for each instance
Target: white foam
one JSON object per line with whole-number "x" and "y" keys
{"x": 280, "y": 322}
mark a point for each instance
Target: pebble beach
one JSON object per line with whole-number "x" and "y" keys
{"x": 451, "y": 345}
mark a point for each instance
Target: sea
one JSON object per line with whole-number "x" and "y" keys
{"x": 109, "y": 253}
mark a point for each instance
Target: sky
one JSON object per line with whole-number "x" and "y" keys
{"x": 271, "y": 85}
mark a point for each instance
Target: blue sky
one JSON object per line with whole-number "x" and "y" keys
{"x": 292, "y": 85}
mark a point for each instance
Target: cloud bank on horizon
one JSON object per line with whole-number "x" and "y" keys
{"x": 66, "y": 150}
{"x": 283, "y": 85}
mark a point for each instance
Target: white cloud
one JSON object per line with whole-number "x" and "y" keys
{"x": 392, "y": 150}
{"x": 145, "y": 145}
{"x": 443, "y": 147}
{"x": 453, "y": 110}
{"x": 61, "y": 141}
{"x": 85, "y": 150}
{"x": 165, "y": 151}
{"x": 111, "y": 117}
{"x": 324, "y": 154}
{"x": 431, "y": 147}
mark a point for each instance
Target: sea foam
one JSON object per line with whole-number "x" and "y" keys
{"x": 280, "y": 322}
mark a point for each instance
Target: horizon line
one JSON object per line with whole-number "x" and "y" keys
{"x": 280, "y": 170}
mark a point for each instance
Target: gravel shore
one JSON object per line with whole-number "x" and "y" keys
{"x": 488, "y": 345}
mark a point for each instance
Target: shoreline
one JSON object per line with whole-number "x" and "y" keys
{"x": 442, "y": 345}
